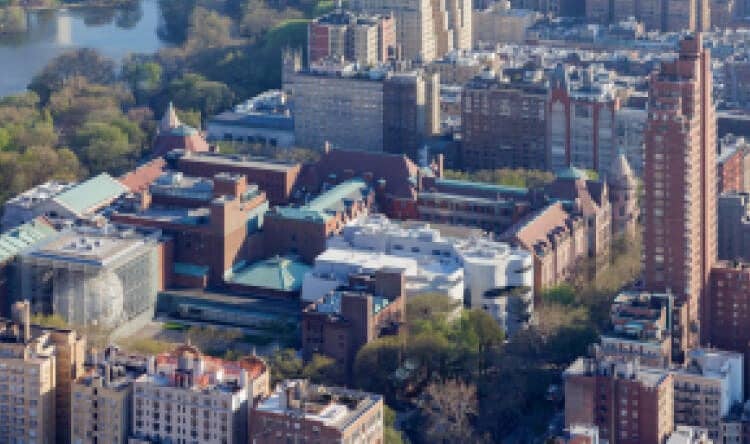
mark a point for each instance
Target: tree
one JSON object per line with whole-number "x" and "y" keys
{"x": 376, "y": 362}
{"x": 285, "y": 364}
{"x": 142, "y": 76}
{"x": 104, "y": 147}
{"x": 86, "y": 62}
{"x": 208, "y": 29}
{"x": 323, "y": 370}
{"x": 194, "y": 92}
{"x": 449, "y": 412}
{"x": 176, "y": 19}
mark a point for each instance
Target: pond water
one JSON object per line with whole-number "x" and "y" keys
{"x": 114, "y": 32}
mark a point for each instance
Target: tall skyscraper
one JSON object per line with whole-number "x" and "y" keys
{"x": 680, "y": 185}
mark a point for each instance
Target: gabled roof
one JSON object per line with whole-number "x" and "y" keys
{"x": 92, "y": 194}
{"x": 535, "y": 227}
{"x": 140, "y": 178}
{"x": 24, "y": 236}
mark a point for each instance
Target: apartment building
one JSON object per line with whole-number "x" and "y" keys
{"x": 706, "y": 389}
{"x": 330, "y": 99}
{"x": 411, "y": 111}
{"x": 680, "y": 183}
{"x": 641, "y": 329}
{"x": 733, "y": 164}
{"x": 657, "y": 15}
{"x": 340, "y": 323}
{"x": 583, "y": 105}
{"x": 321, "y": 413}
{"x": 734, "y": 226}
{"x": 102, "y": 398}
{"x": 37, "y": 367}
{"x": 364, "y": 39}
{"x": 425, "y": 29}
{"x": 504, "y": 121}
{"x": 185, "y": 396}
{"x": 628, "y": 403}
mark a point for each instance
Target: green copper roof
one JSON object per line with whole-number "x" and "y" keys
{"x": 186, "y": 269}
{"x": 94, "y": 192}
{"x": 18, "y": 239}
{"x": 465, "y": 184}
{"x": 277, "y": 273}
{"x": 183, "y": 131}
{"x": 322, "y": 207}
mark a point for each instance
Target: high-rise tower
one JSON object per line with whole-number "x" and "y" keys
{"x": 680, "y": 186}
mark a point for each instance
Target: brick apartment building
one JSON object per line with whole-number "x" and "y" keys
{"x": 411, "y": 111}
{"x": 629, "y": 404}
{"x": 680, "y": 239}
{"x": 582, "y": 109}
{"x": 365, "y": 39}
{"x": 322, "y": 414}
{"x": 504, "y": 121}
{"x": 343, "y": 321}
{"x": 733, "y": 164}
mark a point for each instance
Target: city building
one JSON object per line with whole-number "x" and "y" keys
{"x": 139, "y": 179}
{"x": 557, "y": 240}
{"x": 425, "y": 29}
{"x": 12, "y": 243}
{"x": 733, "y": 164}
{"x": 266, "y": 120}
{"x": 504, "y": 121}
{"x": 583, "y": 105}
{"x": 363, "y": 39}
{"x": 628, "y": 403}
{"x": 212, "y": 224}
{"x": 728, "y": 309}
{"x": 102, "y": 397}
{"x": 394, "y": 177}
{"x": 679, "y": 206}
{"x": 579, "y": 434}
{"x": 92, "y": 276}
{"x": 322, "y": 413}
{"x": 500, "y": 24}
{"x": 37, "y": 367}
{"x": 496, "y": 277}
{"x": 331, "y": 99}
{"x": 623, "y": 196}
{"x": 657, "y": 15}
{"x": 275, "y": 178}
{"x": 630, "y": 126}
{"x": 344, "y": 320}
{"x": 275, "y": 277}
{"x": 706, "y": 389}
{"x": 735, "y": 427}
{"x": 60, "y": 202}
{"x": 734, "y": 226}
{"x": 641, "y": 329}
{"x": 303, "y": 230}
{"x": 689, "y": 435}
{"x": 172, "y": 134}
{"x": 588, "y": 199}
{"x": 185, "y": 396}
{"x": 411, "y": 111}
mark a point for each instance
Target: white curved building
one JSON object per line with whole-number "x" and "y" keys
{"x": 493, "y": 275}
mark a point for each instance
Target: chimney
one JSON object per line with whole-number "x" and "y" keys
{"x": 21, "y": 313}
{"x": 107, "y": 374}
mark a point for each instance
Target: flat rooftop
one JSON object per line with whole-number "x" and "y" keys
{"x": 94, "y": 249}
{"x": 238, "y": 161}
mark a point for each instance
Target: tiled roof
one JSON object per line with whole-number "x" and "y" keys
{"x": 17, "y": 239}
{"x": 140, "y": 178}
{"x": 535, "y": 227}
{"x": 181, "y": 138}
{"x": 90, "y": 195}
{"x": 277, "y": 273}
